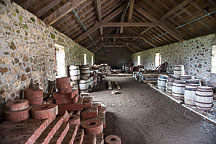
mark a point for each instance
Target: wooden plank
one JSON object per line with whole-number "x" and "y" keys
{"x": 113, "y": 45}
{"x": 127, "y": 46}
{"x": 121, "y": 36}
{"x": 98, "y": 9}
{"x": 98, "y": 24}
{"x": 175, "y": 9}
{"x": 129, "y": 24}
{"x": 161, "y": 24}
{"x": 47, "y": 7}
{"x": 28, "y": 3}
{"x": 122, "y": 17}
{"x": 130, "y": 15}
{"x": 70, "y": 15}
{"x": 62, "y": 11}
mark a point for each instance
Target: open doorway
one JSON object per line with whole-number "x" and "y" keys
{"x": 60, "y": 61}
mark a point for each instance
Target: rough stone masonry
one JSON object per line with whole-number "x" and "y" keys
{"x": 27, "y": 50}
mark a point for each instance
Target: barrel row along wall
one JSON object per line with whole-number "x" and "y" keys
{"x": 195, "y": 54}
{"x": 27, "y": 51}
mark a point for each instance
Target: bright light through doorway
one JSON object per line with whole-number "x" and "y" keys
{"x": 213, "y": 65}
{"x": 60, "y": 61}
{"x": 157, "y": 59}
{"x": 85, "y": 59}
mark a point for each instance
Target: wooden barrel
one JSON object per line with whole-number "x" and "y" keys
{"x": 83, "y": 85}
{"x": 177, "y": 71}
{"x": 74, "y": 72}
{"x": 185, "y": 77}
{"x": 194, "y": 81}
{"x": 85, "y": 72}
{"x": 204, "y": 97}
{"x": 162, "y": 82}
{"x": 189, "y": 93}
{"x": 169, "y": 84}
{"x": 178, "y": 89}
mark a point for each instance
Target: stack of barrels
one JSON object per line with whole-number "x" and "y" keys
{"x": 178, "y": 87}
{"x": 186, "y": 89}
{"x": 169, "y": 84}
{"x": 84, "y": 82}
{"x": 74, "y": 72}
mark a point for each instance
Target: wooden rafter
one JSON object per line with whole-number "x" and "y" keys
{"x": 28, "y": 3}
{"x": 129, "y": 24}
{"x": 62, "y": 11}
{"x": 98, "y": 9}
{"x": 131, "y": 10}
{"x": 146, "y": 39}
{"x": 71, "y": 14}
{"x": 164, "y": 26}
{"x": 121, "y": 36}
{"x": 98, "y": 24}
{"x": 175, "y": 9}
{"x": 47, "y": 7}
{"x": 123, "y": 17}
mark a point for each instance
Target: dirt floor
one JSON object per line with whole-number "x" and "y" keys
{"x": 141, "y": 115}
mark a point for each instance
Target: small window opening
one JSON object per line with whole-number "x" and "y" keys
{"x": 92, "y": 60}
{"x": 138, "y": 60}
{"x": 85, "y": 59}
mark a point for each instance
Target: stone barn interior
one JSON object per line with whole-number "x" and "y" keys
{"x": 108, "y": 71}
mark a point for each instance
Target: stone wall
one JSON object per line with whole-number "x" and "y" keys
{"x": 195, "y": 54}
{"x": 115, "y": 57}
{"x": 27, "y": 51}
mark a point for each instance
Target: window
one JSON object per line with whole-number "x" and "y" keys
{"x": 60, "y": 61}
{"x": 213, "y": 65}
{"x": 157, "y": 59}
{"x": 85, "y": 60}
{"x": 138, "y": 60}
{"x": 92, "y": 60}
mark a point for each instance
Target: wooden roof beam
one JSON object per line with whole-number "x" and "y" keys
{"x": 28, "y": 3}
{"x": 175, "y": 9}
{"x": 129, "y": 24}
{"x": 98, "y": 24}
{"x": 62, "y": 11}
{"x": 121, "y": 36}
{"x": 46, "y": 8}
{"x": 130, "y": 15}
{"x": 98, "y": 9}
{"x": 161, "y": 24}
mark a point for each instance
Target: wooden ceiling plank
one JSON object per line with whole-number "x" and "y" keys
{"x": 201, "y": 9}
{"x": 46, "y": 8}
{"x": 130, "y": 15}
{"x": 62, "y": 11}
{"x": 175, "y": 9}
{"x": 162, "y": 24}
{"x": 146, "y": 39}
{"x": 98, "y": 24}
{"x": 27, "y": 4}
{"x": 121, "y": 36}
{"x": 129, "y": 24}
{"x": 71, "y": 14}
{"x": 98, "y": 9}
